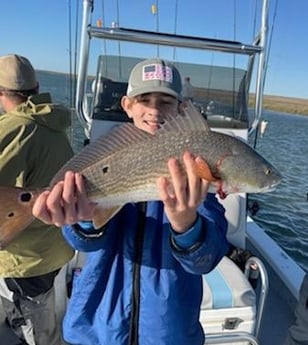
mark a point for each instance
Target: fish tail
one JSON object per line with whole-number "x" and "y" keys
{"x": 15, "y": 212}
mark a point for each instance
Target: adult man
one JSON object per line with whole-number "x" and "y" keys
{"x": 33, "y": 146}
{"x": 187, "y": 92}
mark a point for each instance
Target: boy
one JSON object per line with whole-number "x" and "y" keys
{"x": 142, "y": 280}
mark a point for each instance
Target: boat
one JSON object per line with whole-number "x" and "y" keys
{"x": 254, "y": 304}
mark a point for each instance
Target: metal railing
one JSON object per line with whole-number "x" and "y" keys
{"x": 258, "y": 48}
{"x": 230, "y": 338}
{"x": 254, "y": 264}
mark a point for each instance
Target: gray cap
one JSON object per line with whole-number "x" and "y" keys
{"x": 17, "y": 73}
{"x": 154, "y": 75}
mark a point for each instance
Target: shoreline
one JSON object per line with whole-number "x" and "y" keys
{"x": 289, "y": 105}
{"x": 283, "y": 104}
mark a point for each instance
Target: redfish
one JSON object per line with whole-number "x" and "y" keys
{"x": 124, "y": 166}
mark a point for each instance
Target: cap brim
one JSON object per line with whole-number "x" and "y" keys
{"x": 150, "y": 89}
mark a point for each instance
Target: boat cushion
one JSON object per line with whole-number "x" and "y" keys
{"x": 227, "y": 287}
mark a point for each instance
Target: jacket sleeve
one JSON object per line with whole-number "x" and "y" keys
{"x": 209, "y": 236}
{"x": 82, "y": 236}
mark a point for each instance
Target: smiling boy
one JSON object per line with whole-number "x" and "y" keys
{"x": 142, "y": 281}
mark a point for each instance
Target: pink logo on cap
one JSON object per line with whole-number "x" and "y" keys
{"x": 157, "y": 72}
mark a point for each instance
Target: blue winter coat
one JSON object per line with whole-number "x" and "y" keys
{"x": 142, "y": 283}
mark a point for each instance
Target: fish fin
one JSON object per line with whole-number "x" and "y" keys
{"x": 188, "y": 119}
{"x": 196, "y": 117}
{"x": 203, "y": 171}
{"x": 15, "y": 212}
{"x": 103, "y": 215}
{"x": 118, "y": 138}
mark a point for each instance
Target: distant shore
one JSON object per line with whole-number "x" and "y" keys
{"x": 289, "y": 105}
{"x": 284, "y": 104}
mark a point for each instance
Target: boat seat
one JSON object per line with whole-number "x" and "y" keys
{"x": 107, "y": 109}
{"x": 229, "y": 301}
{"x": 107, "y": 101}
{"x": 229, "y": 305}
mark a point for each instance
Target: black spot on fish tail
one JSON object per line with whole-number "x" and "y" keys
{"x": 25, "y": 197}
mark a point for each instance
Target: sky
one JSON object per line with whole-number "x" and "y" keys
{"x": 44, "y": 31}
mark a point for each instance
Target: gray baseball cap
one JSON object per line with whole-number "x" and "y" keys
{"x": 17, "y": 73}
{"x": 154, "y": 75}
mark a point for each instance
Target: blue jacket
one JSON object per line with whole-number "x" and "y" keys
{"x": 141, "y": 283}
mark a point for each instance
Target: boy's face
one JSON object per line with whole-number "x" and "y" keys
{"x": 148, "y": 110}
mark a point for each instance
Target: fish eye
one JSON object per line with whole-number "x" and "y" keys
{"x": 268, "y": 171}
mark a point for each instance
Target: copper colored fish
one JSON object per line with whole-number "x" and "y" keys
{"x": 124, "y": 166}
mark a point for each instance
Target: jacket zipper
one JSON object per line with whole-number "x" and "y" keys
{"x": 134, "y": 320}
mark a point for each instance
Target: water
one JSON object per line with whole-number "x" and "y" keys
{"x": 283, "y": 213}
{"x": 60, "y": 87}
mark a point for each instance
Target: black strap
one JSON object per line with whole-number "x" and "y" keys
{"x": 134, "y": 321}
{"x": 31, "y": 286}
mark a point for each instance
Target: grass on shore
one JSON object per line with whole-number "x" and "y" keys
{"x": 284, "y": 104}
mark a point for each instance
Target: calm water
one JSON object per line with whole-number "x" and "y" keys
{"x": 284, "y": 212}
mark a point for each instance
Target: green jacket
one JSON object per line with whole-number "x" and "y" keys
{"x": 33, "y": 146}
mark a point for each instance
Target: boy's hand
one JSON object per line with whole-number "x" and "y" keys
{"x": 65, "y": 203}
{"x": 182, "y": 198}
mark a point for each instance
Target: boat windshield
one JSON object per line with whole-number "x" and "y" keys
{"x": 219, "y": 92}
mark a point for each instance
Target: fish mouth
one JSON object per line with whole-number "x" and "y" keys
{"x": 273, "y": 186}
{"x": 268, "y": 189}
{"x": 276, "y": 182}
{"x": 224, "y": 189}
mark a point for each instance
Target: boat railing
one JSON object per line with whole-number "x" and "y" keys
{"x": 89, "y": 31}
{"x": 255, "y": 266}
{"x": 230, "y": 338}
{"x": 179, "y": 41}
